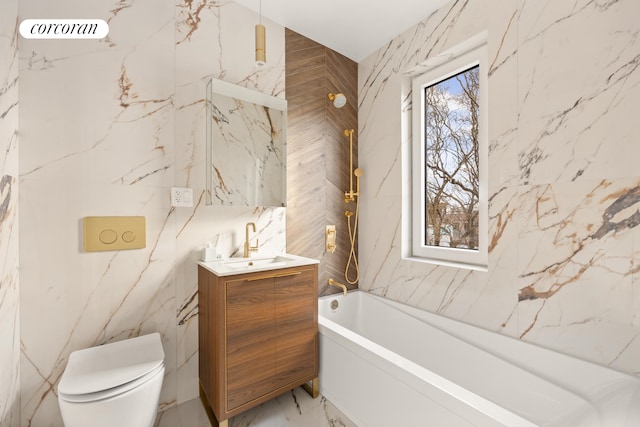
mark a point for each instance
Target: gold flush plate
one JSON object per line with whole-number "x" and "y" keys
{"x": 114, "y": 233}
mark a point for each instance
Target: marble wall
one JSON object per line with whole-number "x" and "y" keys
{"x": 9, "y": 190}
{"x": 107, "y": 127}
{"x": 564, "y": 187}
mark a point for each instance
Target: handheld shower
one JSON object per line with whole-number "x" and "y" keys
{"x": 358, "y": 174}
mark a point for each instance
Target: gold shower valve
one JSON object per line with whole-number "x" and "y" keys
{"x": 351, "y": 196}
{"x": 330, "y": 238}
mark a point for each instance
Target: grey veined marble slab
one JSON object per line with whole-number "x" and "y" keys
{"x": 293, "y": 409}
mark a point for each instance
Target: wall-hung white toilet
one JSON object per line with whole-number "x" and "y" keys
{"x": 113, "y": 385}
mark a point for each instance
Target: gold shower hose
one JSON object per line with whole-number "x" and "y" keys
{"x": 352, "y": 239}
{"x": 349, "y": 196}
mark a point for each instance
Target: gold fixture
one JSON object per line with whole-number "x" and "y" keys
{"x": 113, "y": 233}
{"x": 247, "y": 247}
{"x": 313, "y": 389}
{"x": 261, "y": 43}
{"x": 339, "y": 100}
{"x": 350, "y": 196}
{"x": 272, "y": 276}
{"x": 338, "y": 284}
{"x": 330, "y": 238}
{"x": 353, "y": 258}
{"x": 209, "y": 411}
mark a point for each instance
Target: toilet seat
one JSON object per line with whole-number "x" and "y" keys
{"x": 109, "y": 370}
{"x": 112, "y": 392}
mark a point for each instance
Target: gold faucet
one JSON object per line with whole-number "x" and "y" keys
{"x": 338, "y": 284}
{"x": 247, "y": 247}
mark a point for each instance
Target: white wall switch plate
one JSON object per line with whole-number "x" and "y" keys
{"x": 182, "y": 197}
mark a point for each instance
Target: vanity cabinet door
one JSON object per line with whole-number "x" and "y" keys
{"x": 258, "y": 336}
{"x": 251, "y": 348}
{"x": 296, "y": 327}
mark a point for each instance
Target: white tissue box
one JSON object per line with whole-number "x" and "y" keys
{"x": 208, "y": 254}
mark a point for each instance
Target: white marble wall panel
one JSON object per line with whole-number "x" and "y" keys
{"x": 487, "y": 299}
{"x": 578, "y": 86}
{"x": 577, "y": 83}
{"x": 9, "y": 192}
{"x": 563, "y": 186}
{"x": 216, "y": 39}
{"x": 97, "y": 139}
{"x": 108, "y": 127}
{"x": 575, "y": 266}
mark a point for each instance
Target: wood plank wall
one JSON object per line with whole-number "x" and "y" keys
{"x": 318, "y": 153}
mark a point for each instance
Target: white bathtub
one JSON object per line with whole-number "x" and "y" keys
{"x": 387, "y": 364}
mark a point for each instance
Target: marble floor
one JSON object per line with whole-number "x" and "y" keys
{"x": 293, "y": 409}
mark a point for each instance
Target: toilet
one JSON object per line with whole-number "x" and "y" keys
{"x": 113, "y": 385}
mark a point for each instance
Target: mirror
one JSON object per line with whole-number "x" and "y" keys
{"x": 246, "y": 146}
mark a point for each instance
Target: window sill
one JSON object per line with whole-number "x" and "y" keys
{"x": 454, "y": 264}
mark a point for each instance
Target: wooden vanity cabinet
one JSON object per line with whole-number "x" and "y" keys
{"x": 258, "y": 336}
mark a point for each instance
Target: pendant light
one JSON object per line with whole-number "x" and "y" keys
{"x": 261, "y": 49}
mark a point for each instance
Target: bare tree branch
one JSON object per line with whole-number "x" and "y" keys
{"x": 452, "y": 160}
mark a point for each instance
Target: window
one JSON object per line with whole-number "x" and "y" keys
{"x": 449, "y": 166}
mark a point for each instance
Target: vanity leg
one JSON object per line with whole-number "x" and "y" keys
{"x": 207, "y": 408}
{"x": 313, "y": 389}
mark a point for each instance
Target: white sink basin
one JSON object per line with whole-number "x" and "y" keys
{"x": 231, "y": 266}
{"x": 253, "y": 263}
